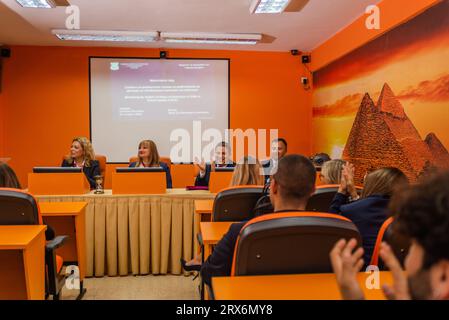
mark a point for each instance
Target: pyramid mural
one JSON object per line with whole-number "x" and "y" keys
{"x": 382, "y": 135}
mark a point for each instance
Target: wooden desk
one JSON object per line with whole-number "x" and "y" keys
{"x": 290, "y": 287}
{"x": 219, "y": 181}
{"x": 126, "y": 183}
{"x": 22, "y": 267}
{"x": 58, "y": 183}
{"x": 204, "y": 209}
{"x": 212, "y": 232}
{"x": 69, "y": 218}
{"x": 182, "y": 175}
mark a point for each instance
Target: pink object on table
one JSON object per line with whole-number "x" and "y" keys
{"x": 190, "y": 188}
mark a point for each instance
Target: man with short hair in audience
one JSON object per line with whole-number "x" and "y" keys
{"x": 422, "y": 214}
{"x": 290, "y": 189}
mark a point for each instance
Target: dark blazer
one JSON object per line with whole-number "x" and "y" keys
{"x": 204, "y": 181}
{"x": 90, "y": 172}
{"x": 165, "y": 167}
{"x": 219, "y": 263}
{"x": 367, "y": 214}
{"x": 267, "y": 168}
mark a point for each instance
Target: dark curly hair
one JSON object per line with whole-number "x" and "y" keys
{"x": 422, "y": 213}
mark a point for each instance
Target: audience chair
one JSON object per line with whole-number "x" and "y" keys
{"x": 20, "y": 208}
{"x": 321, "y": 200}
{"x": 102, "y": 161}
{"x": 399, "y": 244}
{"x": 290, "y": 243}
{"x": 236, "y": 203}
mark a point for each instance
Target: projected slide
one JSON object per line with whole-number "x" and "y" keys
{"x": 163, "y": 91}
{"x": 136, "y": 99}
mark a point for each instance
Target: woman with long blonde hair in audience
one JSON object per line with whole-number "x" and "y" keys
{"x": 82, "y": 155}
{"x": 247, "y": 172}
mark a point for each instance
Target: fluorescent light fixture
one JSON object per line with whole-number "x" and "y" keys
{"x": 268, "y": 6}
{"x": 45, "y": 4}
{"x": 107, "y": 36}
{"x": 211, "y": 38}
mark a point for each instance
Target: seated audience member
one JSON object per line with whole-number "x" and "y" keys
{"x": 8, "y": 179}
{"x": 331, "y": 172}
{"x": 277, "y": 152}
{"x": 422, "y": 214}
{"x": 320, "y": 159}
{"x": 82, "y": 156}
{"x": 370, "y": 211}
{"x": 247, "y": 172}
{"x": 221, "y": 160}
{"x": 149, "y": 157}
{"x": 290, "y": 189}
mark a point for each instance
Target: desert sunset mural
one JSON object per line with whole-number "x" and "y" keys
{"x": 399, "y": 85}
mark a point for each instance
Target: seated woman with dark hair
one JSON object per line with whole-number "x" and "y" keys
{"x": 82, "y": 156}
{"x": 369, "y": 211}
{"x": 149, "y": 157}
{"x": 8, "y": 179}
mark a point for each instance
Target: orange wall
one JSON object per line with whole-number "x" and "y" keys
{"x": 1, "y": 126}
{"x": 46, "y": 98}
{"x": 392, "y": 14}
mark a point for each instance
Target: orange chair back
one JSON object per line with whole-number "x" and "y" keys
{"x": 290, "y": 243}
{"x": 380, "y": 236}
{"x": 236, "y": 203}
{"x": 398, "y": 243}
{"x": 102, "y": 161}
{"x": 321, "y": 200}
{"x": 18, "y": 208}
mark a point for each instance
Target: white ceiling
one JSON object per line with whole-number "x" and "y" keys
{"x": 304, "y": 30}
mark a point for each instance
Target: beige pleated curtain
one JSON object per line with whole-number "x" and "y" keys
{"x": 138, "y": 234}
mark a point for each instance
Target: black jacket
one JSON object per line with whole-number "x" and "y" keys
{"x": 204, "y": 181}
{"x": 367, "y": 214}
{"x": 268, "y": 169}
{"x": 90, "y": 172}
{"x": 165, "y": 167}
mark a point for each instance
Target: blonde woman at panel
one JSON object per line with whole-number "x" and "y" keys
{"x": 82, "y": 156}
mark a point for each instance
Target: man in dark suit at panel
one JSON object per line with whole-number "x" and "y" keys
{"x": 290, "y": 189}
{"x": 222, "y": 159}
{"x": 278, "y": 151}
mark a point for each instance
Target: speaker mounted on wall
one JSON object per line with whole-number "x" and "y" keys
{"x": 4, "y": 53}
